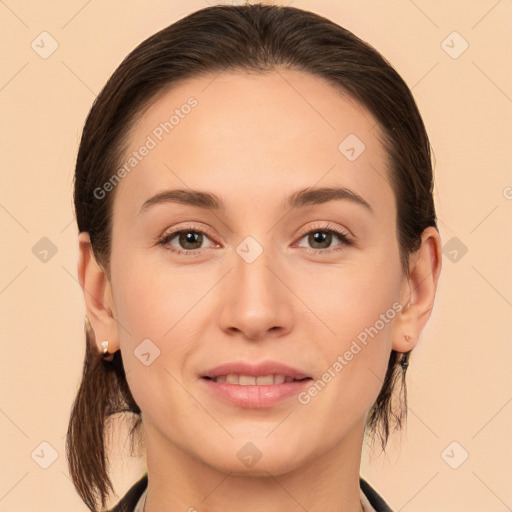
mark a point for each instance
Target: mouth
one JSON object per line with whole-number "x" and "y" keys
{"x": 254, "y": 386}
{"x": 253, "y": 380}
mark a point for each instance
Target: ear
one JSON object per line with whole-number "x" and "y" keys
{"x": 97, "y": 294}
{"x": 418, "y": 291}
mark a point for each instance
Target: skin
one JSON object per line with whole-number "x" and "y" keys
{"x": 253, "y": 140}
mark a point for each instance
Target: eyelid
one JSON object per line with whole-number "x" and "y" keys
{"x": 174, "y": 230}
{"x": 326, "y": 226}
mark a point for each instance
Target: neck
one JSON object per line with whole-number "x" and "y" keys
{"x": 326, "y": 481}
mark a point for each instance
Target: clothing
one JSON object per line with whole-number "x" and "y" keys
{"x": 133, "y": 500}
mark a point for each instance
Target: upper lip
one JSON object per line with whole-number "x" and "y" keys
{"x": 257, "y": 370}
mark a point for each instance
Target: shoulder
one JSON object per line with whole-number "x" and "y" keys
{"x": 376, "y": 501}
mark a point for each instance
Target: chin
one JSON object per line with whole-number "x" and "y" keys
{"x": 255, "y": 458}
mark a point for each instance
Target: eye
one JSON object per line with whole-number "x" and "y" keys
{"x": 189, "y": 240}
{"x": 321, "y": 238}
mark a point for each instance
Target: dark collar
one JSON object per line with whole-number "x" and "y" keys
{"x": 130, "y": 499}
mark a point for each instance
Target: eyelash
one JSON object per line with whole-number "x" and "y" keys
{"x": 343, "y": 237}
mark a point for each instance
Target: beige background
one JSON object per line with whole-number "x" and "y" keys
{"x": 459, "y": 383}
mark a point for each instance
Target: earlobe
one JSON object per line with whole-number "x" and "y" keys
{"x": 97, "y": 294}
{"x": 418, "y": 291}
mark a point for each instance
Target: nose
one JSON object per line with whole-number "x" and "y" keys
{"x": 256, "y": 301}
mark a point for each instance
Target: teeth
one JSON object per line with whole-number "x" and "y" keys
{"x": 246, "y": 380}
{"x": 267, "y": 380}
{"x": 250, "y": 380}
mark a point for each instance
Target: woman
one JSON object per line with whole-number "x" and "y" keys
{"x": 259, "y": 254}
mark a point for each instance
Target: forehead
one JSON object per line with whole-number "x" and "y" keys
{"x": 245, "y": 134}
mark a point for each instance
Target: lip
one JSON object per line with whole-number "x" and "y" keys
{"x": 257, "y": 370}
{"x": 254, "y": 396}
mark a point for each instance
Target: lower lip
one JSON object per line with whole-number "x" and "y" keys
{"x": 255, "y": 397}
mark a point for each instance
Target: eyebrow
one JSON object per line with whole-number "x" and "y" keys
{"x": 208, "y": 201}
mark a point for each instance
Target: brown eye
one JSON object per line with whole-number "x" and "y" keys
{"x": 324, "y": 238}
{"x": 190, "y": 240}
{"x": 320, "y": 239}
{"x": 185, "y": 241}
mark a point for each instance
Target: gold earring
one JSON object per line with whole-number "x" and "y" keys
{"x": 407, "y": 338}
{"x": 104, "y": 353}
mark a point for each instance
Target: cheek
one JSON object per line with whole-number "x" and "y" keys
{"x": 149, "y": 298}
{"x": 351, "y": 298}
{"x": 155, "y": 335}
{"x": 358, "y": 305}
{"x": 160, "y": 310}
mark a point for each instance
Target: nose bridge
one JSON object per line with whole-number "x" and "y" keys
{"x": 257, "y": 300}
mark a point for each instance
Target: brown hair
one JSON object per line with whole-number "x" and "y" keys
{"x": 257, "y": 38}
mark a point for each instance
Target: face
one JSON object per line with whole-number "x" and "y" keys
{"x": 274, "y": 285}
